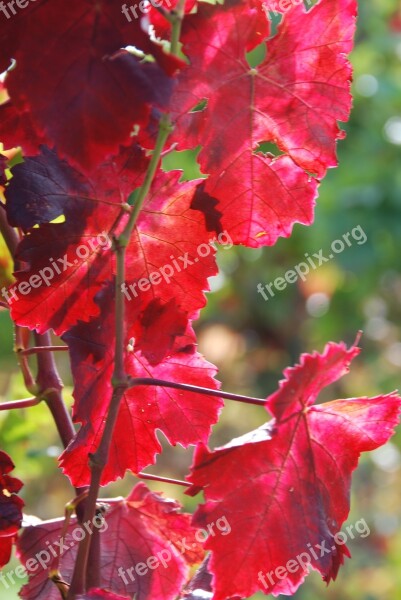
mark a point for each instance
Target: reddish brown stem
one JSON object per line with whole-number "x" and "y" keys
{"x": 151, "y": 477}
{"x": 39, "y": 349}
{"x": 50, "y": 386}
{"x": 26, "y": 403}
{"x": 134, "y": 382}
{"x": 21, "y": 339}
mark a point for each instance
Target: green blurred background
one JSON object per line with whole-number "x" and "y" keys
{"x": 252, "y": 340}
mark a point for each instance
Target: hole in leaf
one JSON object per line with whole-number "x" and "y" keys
{"x": 275, "y": 19}
{"x": 269, "y": 149}
{"x": 309, "y": 4}
{"x": 256, "y": 56}
{"x": 200, "y": 106}
{"x": 186, "y": 161}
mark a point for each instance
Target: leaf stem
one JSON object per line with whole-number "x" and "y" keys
{"x": 50, "y": 386}
{"x": 21, "y": 337}
{"x": 178, "y": 16}
{"x": 165, "y": 129}
{"x": 38, "y": 349}
{"x": 133, "y": 382}
{"x": 151, "y": 477}
{"x": 26, "y": 403}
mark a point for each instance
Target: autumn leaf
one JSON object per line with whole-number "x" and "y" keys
{"x": 146, "y": 547}
{"x": 162, "y": 258}
{"x": 184, "y": 418}
{"x": 100, "y": 89}
{"x": 293, "y": 100}
{"x": 290, "y": 479}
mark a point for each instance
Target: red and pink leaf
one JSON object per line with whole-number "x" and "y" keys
{"x": 87, "y": 100}
{"x": 184, "y": 417}
{"x": 292, "y": 99}
{"x": 162, "y": 264}
{"x": 146, "y": 547}
{"x": 289, "y": 481}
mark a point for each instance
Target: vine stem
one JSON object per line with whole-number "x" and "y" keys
{"x": 120, "y": 380}
{"x": 26, "y": 403}
{"x": 133, "y": 382}
{"x": 151, "y": 477}
{"x": 39, "y": 349}
{"x": 50, "y": 386}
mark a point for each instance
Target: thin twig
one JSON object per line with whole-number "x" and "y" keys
{"x": 151, "y": 477}
{"x": 21, "y": 338}
{"x": 38, "y": 349}
{"x": 26, "y": 403}
{"x": 134, "y": 382}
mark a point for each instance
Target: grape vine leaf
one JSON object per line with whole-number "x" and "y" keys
{"x": 10, "y": 508}
{"x": 164, "y": 243}
{"x": 292, "y": 99}
{"x": 94, "y": 78}
{"x": 146, "y": 547}
{"x": 183, "y": 417}
{"x": 54, "y": 289}
{"x": 289, "y": 480}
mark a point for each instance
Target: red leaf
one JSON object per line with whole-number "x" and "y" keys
{"x": 163, "y": 247}
{"x": 183, "y": 417}
{"x": 57, "y": 287}
{"x": 141, "y": 527}
{"x": 10, "y": 508}
{"x": 293, "y": 99}
{"x": 289, "y": 480}
{"x": 100, "y": 90}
